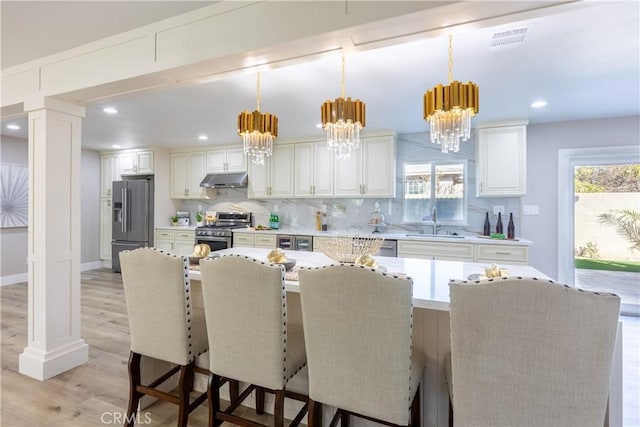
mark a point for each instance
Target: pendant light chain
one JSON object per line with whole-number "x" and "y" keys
{"x": 258, "y": 93}
{"x": 450, "y": 58}
{"x": 343, "y": 84}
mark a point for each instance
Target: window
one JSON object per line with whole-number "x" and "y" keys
{"x": 445, "y": 180}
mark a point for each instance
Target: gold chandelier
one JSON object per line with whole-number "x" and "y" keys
{"x": 342, "y": 120}
{"x": 258, "y": 131}
{"x": 449, "y": 109}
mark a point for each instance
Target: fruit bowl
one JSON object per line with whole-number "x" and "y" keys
{"x": 288, "y": 264}
{"x": 195, "y": 259}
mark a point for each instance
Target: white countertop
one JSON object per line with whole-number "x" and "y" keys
{"x": 389, "y": 236}
{"x": 430, "y": 278}
{"x": 177, "y": 227}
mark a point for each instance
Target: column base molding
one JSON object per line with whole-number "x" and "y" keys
{"x": 40, "y": 365}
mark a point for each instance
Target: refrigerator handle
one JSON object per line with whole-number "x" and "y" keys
{"x": 123, "y": 224}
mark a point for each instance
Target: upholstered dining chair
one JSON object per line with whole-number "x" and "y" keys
{"x": 358, "y": 331}
{"x": 530, "y": 352}
{"x": 164, "y": 325}
{"x": 245, "y": 304}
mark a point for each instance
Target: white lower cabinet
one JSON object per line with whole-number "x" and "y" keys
{"x": 464, "y": 251}
{"x": 105, "y": 229}
{"x": 267, "y": 241}
{"x": 502, "y": 253}
{"x": 243, "y": 240}
{"x": 179, "y": 242}
{"x": 435, "y": 250}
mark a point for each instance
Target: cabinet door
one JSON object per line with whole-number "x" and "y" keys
{"x": 258, "y": 181}
{"x": 378, "y": 167}
{"x": 165, "y": 245}
{"x": 216, "y": 161}
{"x": 127, "y": 163}
{"x": 178, "y": 176}
{"x": 348, "y": 181}
{"x": 303, "y": 167}
{"x": 105, "y": 229}
{"x": 183, "y": 247}
{"x": 323, "y": 159}
{"x": 144, "y": 164}
{"x": 502, "y": 161}
{"x": 236, "y": 160}
{"x": 281, "y": 170}
{"x": 108, "y": 172}
{"x": 195, "y": 173}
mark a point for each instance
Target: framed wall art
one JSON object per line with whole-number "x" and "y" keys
{"x": 14, "y": 196}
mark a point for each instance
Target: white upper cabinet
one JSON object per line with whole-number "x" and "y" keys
{"x": 313, "y": 170}
{"x": 370, "y": 171}
{"x": 274, "y": 179}
{"x": 109, "y": 172}
{"x": 502, "y": 160}
{"x": 187, "y": 171}
{"x": 136, "y": 162}
{"x": 222, "y": 161}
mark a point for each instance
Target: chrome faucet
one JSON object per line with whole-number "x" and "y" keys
{"x": 434, "y": 220}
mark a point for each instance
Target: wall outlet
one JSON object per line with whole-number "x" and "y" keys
{"x": 530, "y": 210}
{"x": 498, "y": 209}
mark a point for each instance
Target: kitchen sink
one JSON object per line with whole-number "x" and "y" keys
{"x": 431, "y": 236}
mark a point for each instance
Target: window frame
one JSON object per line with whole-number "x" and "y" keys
{"x": 465, "y": 193}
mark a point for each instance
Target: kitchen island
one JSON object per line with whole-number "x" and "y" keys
{"x": 430, "y": 320}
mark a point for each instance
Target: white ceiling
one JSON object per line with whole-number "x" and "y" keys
{"x": 585, "y": 63}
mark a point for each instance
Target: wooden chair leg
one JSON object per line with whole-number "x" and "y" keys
{"x": 134, "y": 395}
{"x": 259, "y": 400}
{"x": 184, "y": 387}
{"x": 213, "y": 394}
{"x": 278, "y": 410}
{"x": 314, "y": 416}
{"x": 344, "y": 419}
{"x": 415, "y": 409}
{"x": 234, "y": 390}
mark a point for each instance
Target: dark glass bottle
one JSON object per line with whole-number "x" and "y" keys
{"x": 499, "y": 224}
{"x": 487, "y": 226}
{"x": 511, "y": 228}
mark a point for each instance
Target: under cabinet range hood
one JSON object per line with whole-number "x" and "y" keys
{"x": 225, "y": 180}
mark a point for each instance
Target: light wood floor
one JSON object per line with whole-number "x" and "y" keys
{"x": 94, "y": 394}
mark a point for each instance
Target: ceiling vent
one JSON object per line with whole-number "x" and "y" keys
{"x": 509, "y": 38}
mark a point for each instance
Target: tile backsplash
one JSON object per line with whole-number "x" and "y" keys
{"x": 352, "y": 215}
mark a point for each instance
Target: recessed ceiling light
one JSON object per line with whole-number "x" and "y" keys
{"x": 203, "y": 137}
{"x": 115, "y": 146}
{"x": 538, "y": 104}
{"x": 319, "y": 125}
{"x": 110, "y": 110}
{"x": 13, "y": 127}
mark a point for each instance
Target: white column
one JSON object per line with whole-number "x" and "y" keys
{"x": 54, "y": 344}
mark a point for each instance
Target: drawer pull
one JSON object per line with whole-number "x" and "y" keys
{"x": 503, "y": 253}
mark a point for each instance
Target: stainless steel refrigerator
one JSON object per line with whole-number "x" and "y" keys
{"x": 132, "y": 218}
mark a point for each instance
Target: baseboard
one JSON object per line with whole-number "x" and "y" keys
{"x": 91, "y": 265}
{"x": 13, "y": 279}
{"x": 23, "y": 277}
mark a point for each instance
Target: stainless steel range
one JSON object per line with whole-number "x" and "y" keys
{"x": 219, "y": 235}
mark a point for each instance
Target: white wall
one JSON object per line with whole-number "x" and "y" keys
{"x": 13, "y": 241}
{"x": 543, "y": 142}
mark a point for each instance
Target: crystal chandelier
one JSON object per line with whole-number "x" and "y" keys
{"x": 258, "y": 130}
{"x": 449, "y": 109}
{"x": 342, "y": 120}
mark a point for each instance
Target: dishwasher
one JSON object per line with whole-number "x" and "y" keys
{"x": 388, "y": 248}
